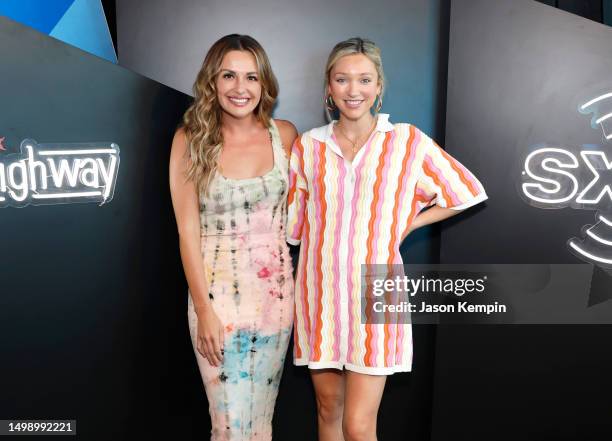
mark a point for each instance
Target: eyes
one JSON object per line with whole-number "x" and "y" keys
{"x": 230, "y": 76}
{"x": 341, "y": 80}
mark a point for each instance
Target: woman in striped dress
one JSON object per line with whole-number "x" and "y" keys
{"x": 356, "y": 188}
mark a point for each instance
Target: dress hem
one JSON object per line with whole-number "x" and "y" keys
{"x": 476, "y": 200}
{"x": 368, "y": 370}
{"x": 292, "y": 241}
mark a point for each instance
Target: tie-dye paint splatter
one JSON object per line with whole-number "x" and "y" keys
{"x": 251, "y": 289}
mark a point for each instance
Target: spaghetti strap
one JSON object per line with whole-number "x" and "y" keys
{"x": 280, "y": 157}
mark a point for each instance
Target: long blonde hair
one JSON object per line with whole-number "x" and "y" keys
{"x": 202, "y": 120}
{"x": 354, "y": 46}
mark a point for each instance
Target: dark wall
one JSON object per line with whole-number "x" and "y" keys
{"x": 92, "y": 297}
{"x": 591, "y": 9}
{"x": 110, "y": 11}
{"x": 93, "y": 300}
{"x": 518, "y": 72}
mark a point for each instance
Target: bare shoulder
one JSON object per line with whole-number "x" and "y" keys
{"x": 287, "y": 132}
{"x": 179, "y": 143}
{"x": 178, "y": 153}
{"x": 179, "y": 139}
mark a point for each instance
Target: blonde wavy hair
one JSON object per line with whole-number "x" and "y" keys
{"x": 202, "y": 120}
{"x": 353, "y": 46}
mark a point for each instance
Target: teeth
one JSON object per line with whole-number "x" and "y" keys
{"x": 239, "y": 100}
{"x": 353, "y": 102}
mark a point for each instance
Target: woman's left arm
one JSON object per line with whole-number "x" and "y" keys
{"x": 430, "y": 216}
{"x": 449, "y": 187}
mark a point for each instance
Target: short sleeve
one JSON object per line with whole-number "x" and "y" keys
{"x": 298, "y": 194}
{"x": 444, "y": 181}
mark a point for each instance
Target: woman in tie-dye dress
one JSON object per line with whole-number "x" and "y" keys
{"x": 358, "y": 188}
{"x": 228, "y": 179}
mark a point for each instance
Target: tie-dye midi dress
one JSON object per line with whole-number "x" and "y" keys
{"x": 249, "y": 272}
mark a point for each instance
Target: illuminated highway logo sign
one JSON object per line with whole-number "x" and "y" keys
{"x": 559, "y": 177}
{"x": 43, "y": 174}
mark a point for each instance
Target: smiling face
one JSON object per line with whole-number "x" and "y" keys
{"x": 353, "y": 85}
{"x": 238, "y": 84}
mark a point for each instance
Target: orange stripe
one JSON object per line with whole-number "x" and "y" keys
{"x": 319, "y": 271}
{"x": 398, "y": 191}
{"x": 296, "y": 335}
{"x": 292, "y": 188}
{"x": 469, "y": 184}
{"x": 434, "y": 177}
{"x": 413, "y": 213}
{"x": 377, "y": 184}
{"x": 396, "y": 205}
{"x": 304, "y": 290}
{"x": 297, "y": 145}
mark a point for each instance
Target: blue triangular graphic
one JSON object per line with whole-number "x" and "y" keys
{"x": 84, "y": 26}
{"x": 41, "y": 15}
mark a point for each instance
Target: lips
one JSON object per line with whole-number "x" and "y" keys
{"x": 353, "y": 103}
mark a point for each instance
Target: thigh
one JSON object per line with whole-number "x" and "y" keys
{"x": 363, "y": 394}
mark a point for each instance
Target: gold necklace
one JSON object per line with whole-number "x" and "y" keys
{"x": 354, "y": 143}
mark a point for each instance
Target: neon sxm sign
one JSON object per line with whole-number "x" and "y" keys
{"x": 557, "y": 177}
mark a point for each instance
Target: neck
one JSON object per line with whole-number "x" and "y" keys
{"x": 357, "y": 126}
{"x": 231, "y": 125}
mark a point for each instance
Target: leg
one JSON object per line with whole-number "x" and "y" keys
{"x": 329, "y": 390}
{"x": 362, "y": 399}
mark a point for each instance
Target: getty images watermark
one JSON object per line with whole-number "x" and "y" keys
{"x": 471, "y": 294}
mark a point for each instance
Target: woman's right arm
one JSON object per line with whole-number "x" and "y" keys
{"x": 187, "y": 213}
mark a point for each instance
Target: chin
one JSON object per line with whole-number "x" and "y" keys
{"x": 354, "y": 113}
{"x": 238, "y": 112}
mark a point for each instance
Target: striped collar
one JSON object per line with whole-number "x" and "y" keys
{"x": 324, "y": 133}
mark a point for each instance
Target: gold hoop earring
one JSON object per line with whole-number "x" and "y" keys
{"x": 329, "y": 103}
{"x": 379, "y": 103}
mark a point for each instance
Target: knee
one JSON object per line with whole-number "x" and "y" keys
{"x": 359, "y": 427}
{"x": 330, "y": 407}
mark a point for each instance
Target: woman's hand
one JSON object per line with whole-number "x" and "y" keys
{"x": 209, "y": 335}
{"x": 428, "y": 217}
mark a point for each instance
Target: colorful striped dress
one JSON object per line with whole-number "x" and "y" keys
{"x": 345, "y": 214}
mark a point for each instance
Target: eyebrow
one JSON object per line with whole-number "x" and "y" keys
{"x": 234, "y": 72}
{"x": 362, "y": 73}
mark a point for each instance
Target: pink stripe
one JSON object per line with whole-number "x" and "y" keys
{"x": 302, "y": 272}
{"x": 421, "y": 192}
{"x": 318, "y": 147}
{"x": 467, "y": 174}
{"x": 420, "y": 205}
{"x": 351, "y": 250}
{"x": 336, "y": 257}
{"x": 454, "y": 198}
{"x": 378, "y": 217}
{"x": 300, "y": 201}
{"x": 399, "y": 343}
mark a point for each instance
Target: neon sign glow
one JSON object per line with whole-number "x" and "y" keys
{"x": 596, "y": 106}
{"x": 551, "y": 182}
{"x": 597, "y": 246}
{"x": 58, "y": 174}
{"x": 557, "y": 177}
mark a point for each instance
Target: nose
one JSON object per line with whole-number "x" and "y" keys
{"x": 240, "y": 85}
{"x": 353, "y": 89}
